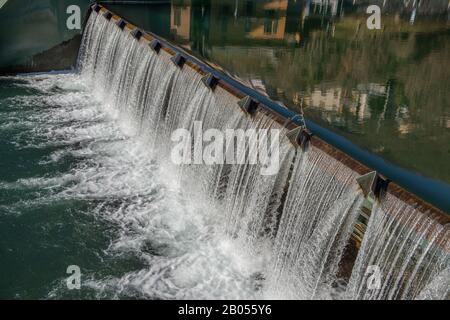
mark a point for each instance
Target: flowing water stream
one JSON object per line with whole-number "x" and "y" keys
{"x": 87, "y": 179}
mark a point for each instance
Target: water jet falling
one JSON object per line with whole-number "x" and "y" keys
{"x": 303, "y": 215}
{"x": 320, "y": 209}
{"x": 409, "y": 248}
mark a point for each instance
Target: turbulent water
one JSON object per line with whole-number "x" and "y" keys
{"x": 87, "y": 180}
{"x": 321, "y": 207}
{"x": 411, "y": 250}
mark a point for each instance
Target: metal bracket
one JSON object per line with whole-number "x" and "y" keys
{"x": 300, "y": 137}
{"x": 96, "y": 7}
{"x": 210, "y": 81}
{"x": 248, "y": 105}
{"x": 155, "y": 45}
{"x": 178, "y": 60}
{"x": 373, "y": 184}
{"x": 108, "y": 15}
{"x": 121, "y": 24}
{"x": 137, "y": 33}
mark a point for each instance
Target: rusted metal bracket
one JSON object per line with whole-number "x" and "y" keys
{"x": 108, "y": 15}
{"x": 155, "y": 45}
{"x": 178, "y": 60}
{"x": 137, "y": 33}
{"x": 248, "y": 105}
{"x": 121, "y": 24}
{"x": 300, "y": 137}
{"x": 210, "y": 81}
{"x": 373, "y": 183}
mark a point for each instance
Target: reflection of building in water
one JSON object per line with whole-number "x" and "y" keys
{"x": 251, "y": 19}
{"x": 327, "y": 100}
{"x": 372, "y": 89}
{"x": 445, "y": 122}
{"x": 236, "y": 21}
{"x": 253, "y": 39}
{"x": 407, "y": 7}
{"x": 362, "y": 94}
{"x": 363, "y": 103}
{"x": 325, "y": 6}
{"x": 180, "y": 22}
{"x": 338, "y": 100}
{"x": 405, "y": 128}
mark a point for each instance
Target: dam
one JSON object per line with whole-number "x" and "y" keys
{"x": 102, "y": 138}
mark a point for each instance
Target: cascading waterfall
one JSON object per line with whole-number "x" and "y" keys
{"x": 409, "y": 248}
{"x": 321, "y": 207}
{"x": 307, "y": 235}
{"x": 162, "y": 98}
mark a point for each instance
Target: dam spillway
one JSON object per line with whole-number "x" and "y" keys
{"x": 307, "y": 239}
{"x": 211, "y": 231}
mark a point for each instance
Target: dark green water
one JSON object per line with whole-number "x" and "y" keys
{"x": 386, "y": 90}
{"x": 45, "y": 226}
